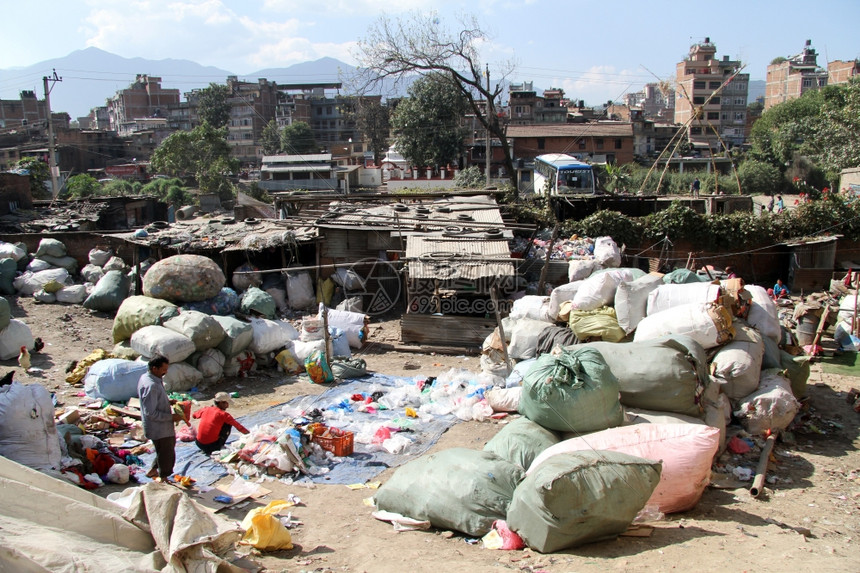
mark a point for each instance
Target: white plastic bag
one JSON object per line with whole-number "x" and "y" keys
{"x": 763, "y": 314}
{"x": 300, "y": 290}
{"x": 599, "y": 290}
{"x": 73, "y": 294}
{"x": 27, "y": 431}
{"x": 13, "y": 337}
{"x": 271, "y": 335}
{"x": 606, "y": 253}
{"x": 534, "y": 307}
{"x": 181, "y": 377}
{"x": 771, "y": 407}
{"x": 153, "y": 340}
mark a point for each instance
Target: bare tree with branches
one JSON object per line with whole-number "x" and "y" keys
{"x": 418, "y": 44}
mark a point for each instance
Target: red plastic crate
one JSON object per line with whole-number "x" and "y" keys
{"x": 335, "y": 440}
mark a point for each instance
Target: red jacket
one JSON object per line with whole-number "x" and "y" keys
{"x": 212, "y": 418}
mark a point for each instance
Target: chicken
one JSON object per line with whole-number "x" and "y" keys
{"x": 24, "y": 358}
{"x": 38, "y": 345}
{"x": 7, "y": 378}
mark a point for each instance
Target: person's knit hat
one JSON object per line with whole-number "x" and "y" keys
{"x": 223, "y": 397}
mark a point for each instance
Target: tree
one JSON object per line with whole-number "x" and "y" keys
{"x": 212, "y": 105}
{"x": 80, "y": 186}
{"x": 617, "y": 177}
{"x": 759, "y": 177}
{"x": 470, "y": 178}
{"x": 373, "y": 121}
{"x": 270, "y": 139}
{"x": 400, "y": 48}
{"x": 427, "y": 123}
{"x": 202, "y": 153}
{"x": 117, "y": 188}
{"x": 39, "y": 174}
{"x": 836, "y": 136}
{"x": 298, "y": 139}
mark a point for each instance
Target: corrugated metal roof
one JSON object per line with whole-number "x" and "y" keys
{"x": 431, "y": 257}
{"x": 297, "y": 168}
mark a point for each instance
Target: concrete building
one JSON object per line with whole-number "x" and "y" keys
{"x": 840, "y": 71}
{"x": 85, "y": 150}
{"x": 526, "y": 107}
{"x": 711, "y": 97}
{"x": 252, "y": 106}
{"x": 655, "y": 100}
{"x": 789, "y": 78}
{"x": 145, "y": 98}
{"x": 26, "y": 112}
{"x": 316, "y": 172}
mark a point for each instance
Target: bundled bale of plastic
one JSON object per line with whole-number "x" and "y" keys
{"x": 709, "y": 324}
{"x": 8, "y": 271}
{"x": 99, "y": 256}
{"x": 109, "y": 292}
{"x": 580, "y": 497}
{"x": 599, "y": 289}
{"x": 44, "y": 296}
{"x": 138, "y": 311}
{"x": 580, "y": 269}
{"x": 51, "y": 248}
{"x": 5, "y": 313}
{"x": 28, "y": 283}
{"x": 13, "y": 337}
{"x": 460, "y": 489}
{"x": 668, "y": 374}
{"x": 300, "y": 290}
{"x": 245, "y": 276}
{"x": 631, "y": 301}
{"x": 523, "y": 336}
{"x": 599, "y": 323}
{"x": 771, "y": 407}
{"x": 210, "y": 363}
{"x": 684, "y": 276}
{"x": 28, "y": 434}
{"x": 738, "y": 363}
{"x": 238, "y": 335}
{"x": 256, "y": 302}
{"x": 240, "y": 364}
{"x": 203, "y": 330}
{"x": 181, "y": 377}
{"x": 72, "y": 294}
{"x": 667, "y": 296}
{"x": 559, "y": 295}
{"x": 763, "y": 315}
{"x": 271, "y": 335}
{"x": 66, "y": 262}
{"x": 184, "y": 278}
{"x": 533, "y": 307}
{"x": 10, "y": 251}
{"x": 92, "y": 273}
{"x": 521, "y": 441}
{"x": 153, "y": 340}
{"x": 353, "y": 325}
{"x": 686, "y": 451}
{"x": 115, "y": 264}
{"x": 114, "y": 379}
{"x": 606, "y": 253}
{"x": 225, "y": 303}
{"x": 37, "y": 265}
{"x": 574, "y": 391}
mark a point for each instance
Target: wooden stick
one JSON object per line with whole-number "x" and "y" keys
{"x": 761, "y": 469}
{"x": 821, "y": 325}
{"x": 495, "y": 297}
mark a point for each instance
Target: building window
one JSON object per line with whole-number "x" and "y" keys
{"x": 695, "y": 131}
{"x": 328, "y": 110}
{"x": 714, "y": 85}
{"x": 713, "y": 115}
{"x": 582, "y": 144}
{"x": 740, "y": 101}
{"x": 807, "y": 83}
{"x": 714, "y": 100}
{"x": 699, "y": 85}
{"x": 699, "y": 100}
{"x": 541, "y": 143}
{"x": 617, "y": 144}
{"x": 739, "y": 116}
{"x": 725, "y": 117}
{"x": 598, "y": 143}
{"x": 319, "y": 111}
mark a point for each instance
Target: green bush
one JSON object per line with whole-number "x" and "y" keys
{"x": 759, "y": 177}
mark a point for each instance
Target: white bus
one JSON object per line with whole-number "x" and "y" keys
{"x": 562, "y": 174}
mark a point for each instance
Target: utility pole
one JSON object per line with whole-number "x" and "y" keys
{"x": 52, "y": 161}
{"x": 487, "y": 149}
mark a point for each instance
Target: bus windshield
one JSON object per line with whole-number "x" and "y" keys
{"x": 575, "y": 181}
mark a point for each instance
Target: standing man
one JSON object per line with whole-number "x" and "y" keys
{"x": 158, "y": 418}
{"x": 215, "y": 424}
{"x": 695, "y": 186}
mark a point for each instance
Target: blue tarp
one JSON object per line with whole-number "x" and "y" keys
{"x": 361, "y": 466}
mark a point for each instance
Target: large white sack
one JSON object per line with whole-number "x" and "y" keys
{"x": 846, "y": 307}
{"x": 504, "y": 399}
{"x": 13, "y": 337}
{"x": 351, "y": 323}
{"x": 28, "y": 434}
{"x": 210, "y": 363}
{"x": 28, "y": 283}
{"x": 67, "y": 262}
{"x": 99, "y": 257}
{"x": 606, "y": 253}
{"x": 37, "y": 265}
{"x": 304, "y": 349}
{"x": 203, "y": 330}
{"x": 738, "y": 363}
{"x": 708, "y": 324}
{"x": 523, "y": 334}
{"x": 631, "y": 301}
{"x": 686, "y": 450}
{"x": 10, "y": 251}
{"x": 271, "y": 335}
{"x": 534, "y": 307}
{"x": 154, "y": 340}
{"x": 560, "y": 294}
{"x": 763, "y": 314}
{"x": 771, "y": 407}
{"x": 51, "y": 247}
{"x": 181, "y": 377}
{"x": 114, "y": 264}
{"x": 114, "y": 379}
{"x": 580, "y": 269}
{"x": 300, "y": 290}
{"x": 668, "y": 296}
{"x": 92, "y": 273}
{"x": 599, "y": 290}
{"x": 73, "y": 294}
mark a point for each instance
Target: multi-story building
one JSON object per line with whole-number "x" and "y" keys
{"x": 29, "y": 111}
{"x": 600, "y": 142}
{"x": 526, "y": 107}
{"x": 655, "y": 101}
{"x": 841, "y": 71}
{"x": 252, "y": 106}
{"x": 142, "y": 99}
{"x": 789, "y": 78}
{"x": 711, "y": 98}
{"x": 86, "y": 150}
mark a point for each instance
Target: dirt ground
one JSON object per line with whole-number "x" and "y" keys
{"x": 806, "y": 520}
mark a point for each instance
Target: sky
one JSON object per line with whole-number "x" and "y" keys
{"x": 593, "y": 51}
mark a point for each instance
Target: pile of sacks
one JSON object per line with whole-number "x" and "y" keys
{"x": 187, "y": 315}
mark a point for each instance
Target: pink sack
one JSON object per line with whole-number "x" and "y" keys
{"x": 186, "y": 433}
{"x": 686, "y": 450}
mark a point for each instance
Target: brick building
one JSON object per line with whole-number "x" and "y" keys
{"x": 711, "y": 95}
{"x": 145, "y": 98}
{"x": 840, "y": 71}
{"x": 789, "y": 78}
{"x": 526, "y": 107}
{"x": 599, "y": 142}
{"x": 84, "y": 150}
{"x": 23, "y": 112}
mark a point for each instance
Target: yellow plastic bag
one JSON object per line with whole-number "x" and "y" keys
{"x": 263, "y": 529}
{"x": 325, "y": 290}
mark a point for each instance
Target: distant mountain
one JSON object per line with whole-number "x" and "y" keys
{"x": 91, "y": 76}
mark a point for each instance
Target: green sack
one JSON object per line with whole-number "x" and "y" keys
{"x": 109, "y": 292}
{"x": 580, "y": 497}
{"x": 684, "y": 276}
{"x": 797, "y": 371}
{"x": 5, "y": 313}
{"x": 667, "y": 374}
{"x": 8, "y": 270}
{"x": 135, "y": 312}
{"x": 460, "y": 489}
{"x": 256, "y": 302}
{"x": 203, "y": 330}
{"x": 574, "y": 392}
{"x": 598, "y": 323}
{"x": 350, "y": 368}
{"x": 521, "y": 441}
{"x": 239, "y": 335}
